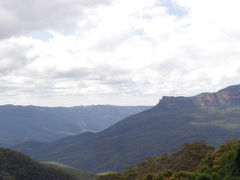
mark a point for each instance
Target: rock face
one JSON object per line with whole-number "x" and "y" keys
{"x": 227, "y": 96}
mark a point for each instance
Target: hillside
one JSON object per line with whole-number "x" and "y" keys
{"x": 212, "y": 117}
{"x": 74, "y": 172}
{"x": 23, "y": 123}
{"x": 16, "y": 166}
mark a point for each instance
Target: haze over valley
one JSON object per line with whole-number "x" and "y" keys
{"x": 119, "y": 90}
{"x": 25, "y": 123}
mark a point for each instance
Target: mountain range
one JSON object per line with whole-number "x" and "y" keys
{"x": 24, "y": 123}
{"x": 211, "y": 117}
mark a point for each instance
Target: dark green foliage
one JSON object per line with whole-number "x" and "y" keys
{"x": 158, "y": 176}
{"x": 16, "y": 166}
{"x": 230, "y": 161}
{"x": 148, "y": 177}
{"x": 112, "y": 176}
{"x": 167, "y": 173}
{"x": 5, "y": 176}
{"x": 222, "y": 164}
{"x": 170, "y": 167}
{"x": 184, "y": 175}
{"x": 154, "y": 164}
{"x": 189, "y": 156}
{"x": 207, "y": 176}
{"x": 202, "y": 176}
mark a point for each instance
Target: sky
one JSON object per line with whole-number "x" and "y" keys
{"x": 120, "y": 52}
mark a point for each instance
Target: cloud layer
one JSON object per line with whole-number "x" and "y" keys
{"x": 116, "y": 52}
{"x": 21, "y": 17}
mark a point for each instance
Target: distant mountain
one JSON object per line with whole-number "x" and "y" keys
{"x": 23, "y": 123}
{"x": 16, "y": 166}
{"x": 212, "y": 117}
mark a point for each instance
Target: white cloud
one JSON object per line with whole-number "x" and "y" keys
{"x": 122, "y": 52}
{"x": 18, "y": 17}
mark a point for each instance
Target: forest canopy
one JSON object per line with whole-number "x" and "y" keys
{"x": 192, "y": 161}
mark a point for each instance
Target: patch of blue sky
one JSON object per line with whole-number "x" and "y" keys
{"x": 68, "y": 32}
{"x": 173, "y": 9}
{"x": 41, "y": 35}
{"x": 46, "y": 36}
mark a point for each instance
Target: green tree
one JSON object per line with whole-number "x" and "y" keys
{"x": 189, "y": 156}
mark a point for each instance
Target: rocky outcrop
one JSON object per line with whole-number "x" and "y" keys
{"x": 227, "y": 96}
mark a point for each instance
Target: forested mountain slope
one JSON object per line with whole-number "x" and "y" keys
{"x": 212, "y": 117}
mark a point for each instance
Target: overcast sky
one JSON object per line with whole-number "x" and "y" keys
{"x": 121, "y": 52}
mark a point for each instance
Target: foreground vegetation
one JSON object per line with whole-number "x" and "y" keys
{"x": 16, "y": 166}
{"x": 193, "y": 161}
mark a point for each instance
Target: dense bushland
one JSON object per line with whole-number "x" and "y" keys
{"x": 192, "y": 161}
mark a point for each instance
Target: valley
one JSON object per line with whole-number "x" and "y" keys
{"x": 173, "y": 121}
{"x": 24, "y": 123}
